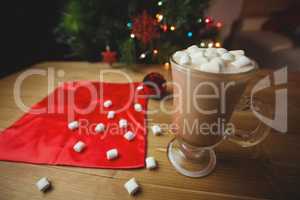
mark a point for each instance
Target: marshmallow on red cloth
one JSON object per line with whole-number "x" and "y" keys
{"x": 44, "y": 138}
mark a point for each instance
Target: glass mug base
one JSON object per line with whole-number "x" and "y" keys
{"x": 203, "y": 163}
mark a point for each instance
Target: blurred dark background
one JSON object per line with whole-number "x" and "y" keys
{"x": 27, "y": 33}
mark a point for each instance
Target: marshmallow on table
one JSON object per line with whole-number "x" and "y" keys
{"x": 99, "y": 128}
{"x": 241, "y": 62}
{"x": 43, "y": 184}
{"x": 107, "y": 103}
{"x": 227, "y": 57}
{"x": 111, "y": 114}
{"x": 182, "y": 57}
{"x": 156, "y": 130}
{"x": 138, "y": 107}
{"x": 140, "y": 87}
{"x": 79, "y": 146}
{"x": 73, "y": 125}
{"x": 112, "y": 154}
{"x": 151, "y": 163}
{"x": 123, "y": 123}
{"x": 129, "y": 135}
{"x": 131, "y": 186}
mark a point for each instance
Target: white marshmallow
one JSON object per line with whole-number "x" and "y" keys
{"x": 123, "y": 123}
{"x": 156, "y": 130}
{"x": 241, "y": 62}
{"x": 213, "y": 67}
{"x": 182, "y": 57}
{"x": 219, "y": 61}
{"x": 150, "y": 163}
{"x": 221, "y": 51}
{"x": 73, "y": 125}
{"x": 227, "y": 57}
{"x": 192, "y": 49}
{"x": 111, "y": 114}
{"x": 140, "y": 87}
{"x": 112, "y": 154}
{"x": 131, "y": 186}
{"x": 43, "y": 184}
{"x": 107, "y": 103}
{"x": 79, "y": 146}
{"x": 129, "y": 135}
{"x": 99, "y": 128}
{"x": 138, "y": 107}
{"x": 237, "y": 52}
{"x": 211, "y": 54}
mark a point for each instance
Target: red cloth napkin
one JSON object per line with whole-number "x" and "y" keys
{"x": 44, "y": 138}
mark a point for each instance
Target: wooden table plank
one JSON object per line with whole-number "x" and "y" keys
{"x": 253, "y": 173}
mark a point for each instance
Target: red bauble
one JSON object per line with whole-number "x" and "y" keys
{"x": 109, "y": 56}
{"x": 145, "y": 28}
{"x": 156, "y": 83}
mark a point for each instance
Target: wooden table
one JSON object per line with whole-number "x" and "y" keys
{"x": 269, "y": 171}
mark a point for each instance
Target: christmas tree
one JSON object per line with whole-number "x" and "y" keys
{"x": 140, "y": 31}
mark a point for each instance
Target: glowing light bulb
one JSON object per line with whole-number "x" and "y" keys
{"x": 167, "y": 65}
{"x": 172, "y": 28}
{"x": 159, "y": 3}
{"x": 218, "y": 44}
{"x": 211, "y": 44}
{"x": 219, "y": 24}
{"x": 165, "y": 28}
{"x": 142, "y": 56}
{"x": 207, "y": 20}
{"x": 129, "y": 24}
{"x": 159, "y": 17}
{"x": 155, "y": 51}
{"x": 189, "y": 34}
{"x": 199, "y": 20}
{"x": 132, "y": 35}
{"x": 202, "y": 44}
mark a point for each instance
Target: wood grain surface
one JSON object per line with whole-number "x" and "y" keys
{"x": 268, "y": 171}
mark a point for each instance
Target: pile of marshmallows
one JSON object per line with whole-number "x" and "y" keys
{"x": 214, "y": 60}
{"x": 131, "y": 186}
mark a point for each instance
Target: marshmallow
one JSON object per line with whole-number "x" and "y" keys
{"x": 150, "y": 163}
{"x": 219, "y": 61}
{"x": 123, "y": 123}
{"x": 79, "y": 146}
{"x": 213, "y": 67}
{"x": 112, "y": 154}
{"x": 111, "y": 114}
{"x": 237, "y": 52}
{"x": 99, "y": 128}
{"x": 221, "y": 51}
{"x": 210, "y": 54}
{"x": 241, "y": 62}
{"x": 43, "y": 184}
{"x": 138, "y": 107}
{"x": 140, "y": 87}
{"x": 227, "y": 57}
{"x": 131, "y": 186}
{"x": 156, "y": 130}
{"x": 129, "y": 135}
{"x": 73, "y": 125}
{"x": 192, "y": 49}
{"x": 107, "y": 104}
{"x": 182, "y": 57}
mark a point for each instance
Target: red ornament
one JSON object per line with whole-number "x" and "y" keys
{"x": 109, "y": 56}
{"x": 145, "y": 28}
{"x": 156, "y": 83}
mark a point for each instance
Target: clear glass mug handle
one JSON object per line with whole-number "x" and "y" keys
{"x": 249, "y": 130}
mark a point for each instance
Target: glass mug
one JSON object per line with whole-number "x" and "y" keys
{"x": 206, "y": 104}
